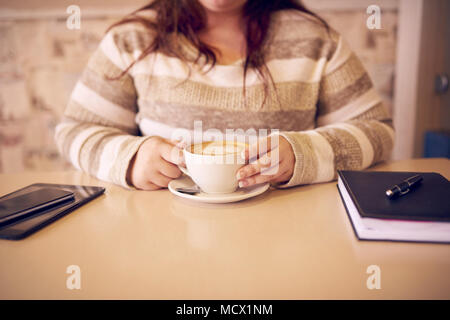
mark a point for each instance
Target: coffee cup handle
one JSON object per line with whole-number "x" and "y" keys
{"x": 184, "y": 170}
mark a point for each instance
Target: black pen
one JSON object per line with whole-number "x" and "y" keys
{"x": 404, "y": 187}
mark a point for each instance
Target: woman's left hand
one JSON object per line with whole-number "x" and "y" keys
{"x": 274, "y": 163}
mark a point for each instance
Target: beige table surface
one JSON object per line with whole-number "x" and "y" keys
{"x": 284, "y": 244}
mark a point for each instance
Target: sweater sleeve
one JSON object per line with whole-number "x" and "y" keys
{"x": 98, "y": 133}
{"x": 353, "y": 128}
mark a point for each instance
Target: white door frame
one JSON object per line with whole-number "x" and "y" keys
{"x": 407, "y": 77}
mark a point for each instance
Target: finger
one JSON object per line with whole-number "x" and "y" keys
{"x": 160, "y": 180}
{"x": 169, "y": 169}
{"x": 277, "y": 173}
{"x": 274, "y": 170}
{"x": 255, "y": 179}
{"x": 179, "y": 143}
{"x": 263, "y": 163}
{"x": 171, "y": 153}
{"x": 284, "y": 177}
{"x": 261, "y": 147}
{"x": 147, "y": 186}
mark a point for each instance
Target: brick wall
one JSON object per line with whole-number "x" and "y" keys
{"x": 40, "y": 61}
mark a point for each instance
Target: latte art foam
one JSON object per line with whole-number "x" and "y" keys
{"x": 217, "y": 148}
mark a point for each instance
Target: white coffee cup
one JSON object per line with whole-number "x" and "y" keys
{"x": 213, "y": 165}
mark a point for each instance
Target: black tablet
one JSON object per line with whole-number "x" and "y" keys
{"x": 34, "y": 222}
{"x": 20, "y": 206}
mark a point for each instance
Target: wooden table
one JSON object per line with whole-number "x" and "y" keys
{"x": 284, "y": 244}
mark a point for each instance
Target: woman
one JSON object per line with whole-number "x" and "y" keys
{"x": 230, "y": 64}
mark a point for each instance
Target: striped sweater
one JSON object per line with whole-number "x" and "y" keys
{"x": 323, "y": 103}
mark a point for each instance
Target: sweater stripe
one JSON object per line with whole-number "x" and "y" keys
{"x": 174, "y": 91}
{"x": 108, "y": 156}
{"x": 115, "y": 113}
{"x": 324, "y": 155}
{"x": 78, "y": 141}
{"x": 175, "y": 115}
{"x": 111, "y": 91}
{"x": 353, "y": 109}
{"x": 346, "y": 149}
{"x": 367, "y": 151}
{"x": 228, "y": 76}
{"x": 109, "y": 49}
{"x": 353, "y": 91}
{"x": 75, "y": 111}
{"x": 349, "y": 72}
{"x": 342, "y": 54}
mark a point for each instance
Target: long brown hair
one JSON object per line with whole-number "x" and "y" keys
{"x": 188, "y": 17}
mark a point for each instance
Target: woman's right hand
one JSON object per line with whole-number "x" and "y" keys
{"x": 155, "y": 164}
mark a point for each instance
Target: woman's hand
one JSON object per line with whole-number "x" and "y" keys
{"x": 155, "y": 164}
{"x": 274, "y": 163}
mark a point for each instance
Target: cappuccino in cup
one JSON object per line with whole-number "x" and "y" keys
{"x": 213, "y": 165}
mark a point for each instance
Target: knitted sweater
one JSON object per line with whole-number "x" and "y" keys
{"x": 323, "y": 103}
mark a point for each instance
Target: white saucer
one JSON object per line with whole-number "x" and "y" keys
{"x": 238, "y": 195}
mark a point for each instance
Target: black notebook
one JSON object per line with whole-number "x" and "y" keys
{"x": 421, "y": 215}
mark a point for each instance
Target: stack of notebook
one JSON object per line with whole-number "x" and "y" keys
{"x": 421, "y": 215}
